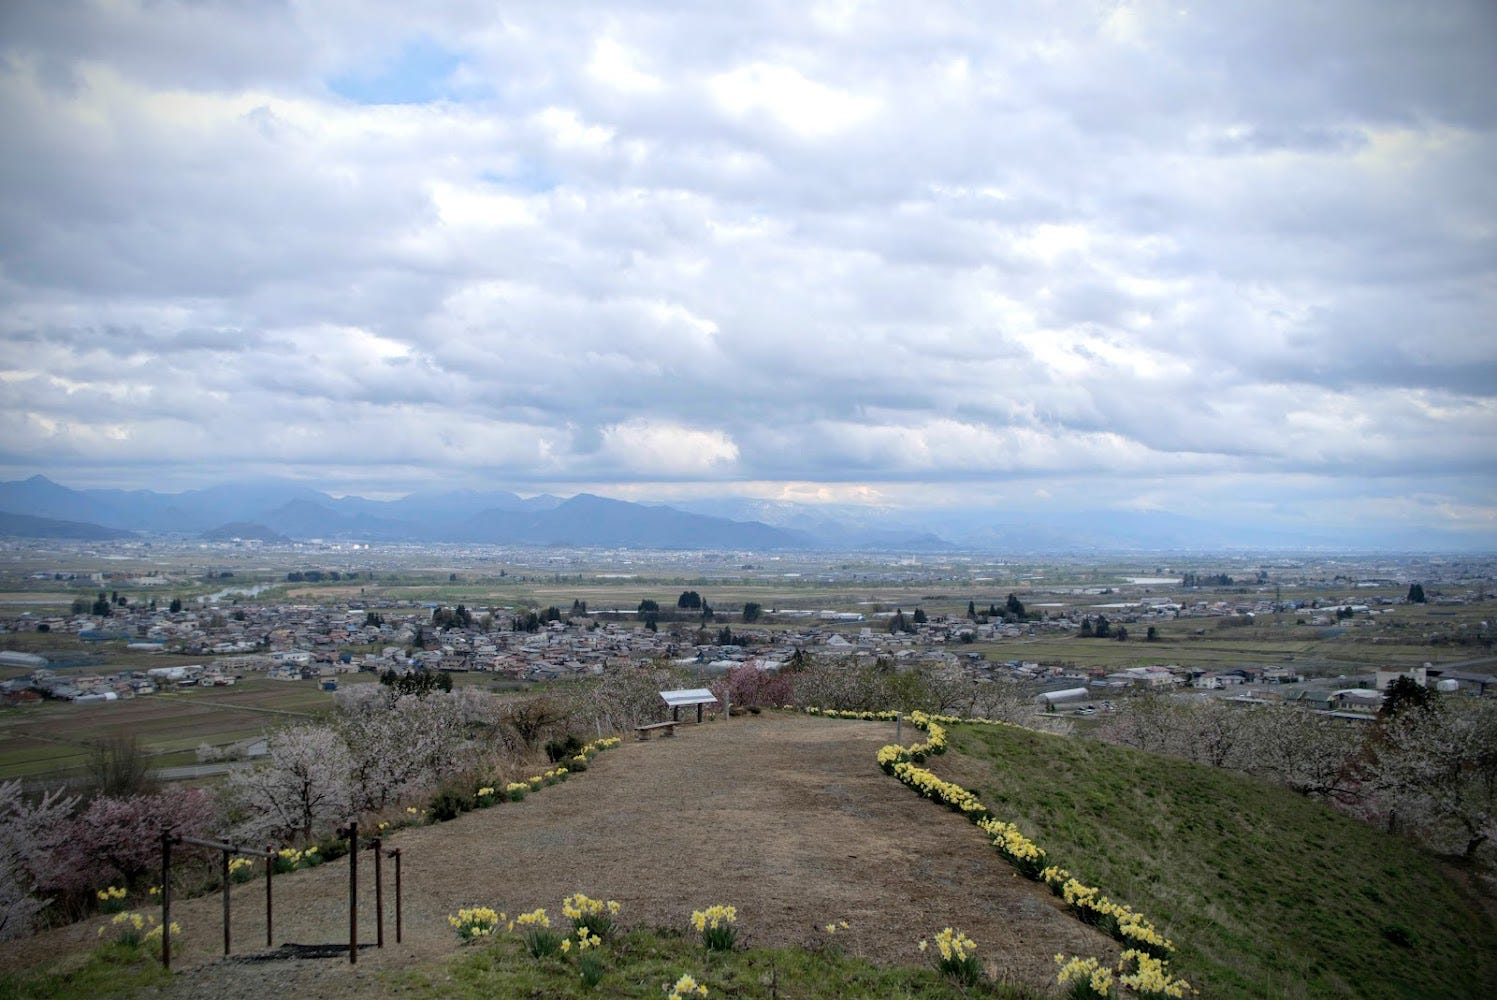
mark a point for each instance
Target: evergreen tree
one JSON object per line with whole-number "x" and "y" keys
{"x": 1404, "y": 694}
{"x": 1416, "y": 593}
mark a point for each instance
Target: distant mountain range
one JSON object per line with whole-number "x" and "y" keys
{"x": 277, "y": 510}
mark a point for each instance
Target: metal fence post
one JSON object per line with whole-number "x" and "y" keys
{"x": 225, "y": 856}
{"x": 269, "y": 871}
{"x": 353, "y": 892}
{"x": 396, "y": 854}
{"x": 166, "y": 899}
{"x": 379, "y": 894}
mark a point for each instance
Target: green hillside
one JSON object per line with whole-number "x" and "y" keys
{"x": 1265, "y": 893}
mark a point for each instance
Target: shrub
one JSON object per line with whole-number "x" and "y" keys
{"x": 330, "y": 848}
{"x": 450, "y": 802}
{"x": 560, "y": 749}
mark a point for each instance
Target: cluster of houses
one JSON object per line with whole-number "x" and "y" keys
{"x": 317, "y": 642}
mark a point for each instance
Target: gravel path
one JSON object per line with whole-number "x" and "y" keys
{"x": 784, "y": 816}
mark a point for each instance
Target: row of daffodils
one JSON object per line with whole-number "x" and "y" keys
{"x": 594, "y": 925}
{"x": 1143, "y": 967}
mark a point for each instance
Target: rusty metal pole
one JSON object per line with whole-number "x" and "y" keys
{"x": 379, "y": 894}
{"x": 166, "y": 899}
{"x": 396, "y": 854}
{"x": 353, "y": 892}
{"x": 225, "y": 855}
{"x": 269, "y": 871}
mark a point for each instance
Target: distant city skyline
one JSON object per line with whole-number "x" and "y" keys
{"x": 1231, "y": 262}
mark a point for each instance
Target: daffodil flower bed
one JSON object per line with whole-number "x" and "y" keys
{"x": 592, "y": 917}
{"x": 958, "y": 956}
{"x": 476, "y": 922}
{"x": 241, "y": 869}
{"x": 1149, "y": 977}
{"x": 1085, "y": 978}
{"x": 111, "y": 899}
{"x": 833, "y": 713}
{"x": 715, "y": 924}
{"x": 540, "y": 939}
{"x": 515, "y": 791}
{"x": 684, "y": 988}
{"x": 135, "y": 929}
{"x": 1144, "y": 974}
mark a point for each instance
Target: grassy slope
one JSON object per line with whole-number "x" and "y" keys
{"x": 1265, "y": 893}
{"x": 640, "y": 962}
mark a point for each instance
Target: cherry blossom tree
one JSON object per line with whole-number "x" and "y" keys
{"x": 302, "y": 788}
{"x": 30, "y": 835}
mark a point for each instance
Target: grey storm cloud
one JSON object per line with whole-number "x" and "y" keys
{"x": 1245, "y": 248}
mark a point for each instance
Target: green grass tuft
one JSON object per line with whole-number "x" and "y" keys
{"x": 111, "y": 969}
{"x": 639, "y": 962}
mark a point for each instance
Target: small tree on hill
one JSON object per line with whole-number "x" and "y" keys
{"x": 1416, "y": 593}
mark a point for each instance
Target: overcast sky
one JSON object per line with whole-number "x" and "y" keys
{"x": 1232, "y": 259}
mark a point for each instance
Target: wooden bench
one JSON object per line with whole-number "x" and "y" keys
{"x": 644, "y": 731}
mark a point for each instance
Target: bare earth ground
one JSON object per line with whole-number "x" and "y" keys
{"x": 785, "y": 817}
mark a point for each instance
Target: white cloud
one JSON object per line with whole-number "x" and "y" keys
{"x": 810, "y": 255}
{"x": 805, "y": 107}
{"x": 657, "y": 448}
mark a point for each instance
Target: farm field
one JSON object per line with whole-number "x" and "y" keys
{"x": 1264, "y": 892}
{"x": 52, "y": 739}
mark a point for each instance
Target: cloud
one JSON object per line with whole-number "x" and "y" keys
{"x": 748, "y": 248}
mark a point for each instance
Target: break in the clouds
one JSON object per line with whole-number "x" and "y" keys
{"x": 1220, "y": 258}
